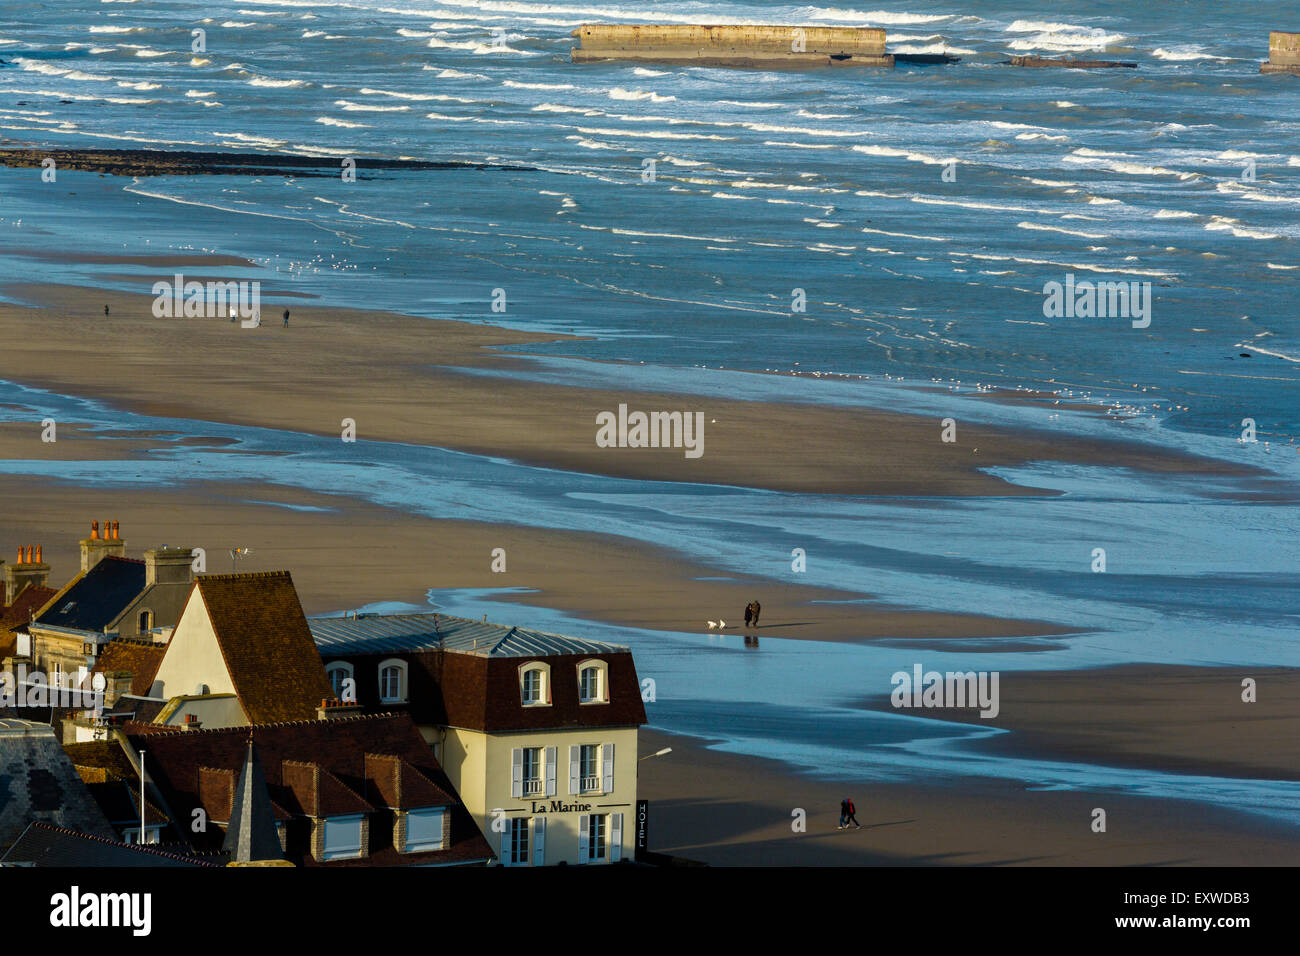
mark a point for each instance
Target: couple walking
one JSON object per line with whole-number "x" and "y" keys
{"x": 752, "y": 610}
{"x": 848, "y": 813}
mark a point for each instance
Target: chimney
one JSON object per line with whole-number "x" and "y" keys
{"x": 334, "y": 708}
{"x": 117, "y": 684}
{"x": 168, "y": 566}
{"x": 28, "y": 572}
{"x": 94, "y": 549}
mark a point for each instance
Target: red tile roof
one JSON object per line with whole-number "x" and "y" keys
{"x": 266, "y": 644}
{"x": 32, "y": 599}
{"x": 141, "y": 658}
{"x": 352, "y": 758}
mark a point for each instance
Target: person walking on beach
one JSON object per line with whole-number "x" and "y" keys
{"x": 850, "y": 813}
{"x": 757, "y": 610}
{"x": 106, "y": 310}
{"x": 749, "y": 613}
{"x": 844, "y": 813}
{"x": 286, "y": 318}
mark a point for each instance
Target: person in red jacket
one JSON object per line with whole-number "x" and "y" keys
{"x": 850, "y": 812}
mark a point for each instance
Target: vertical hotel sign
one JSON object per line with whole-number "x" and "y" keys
{"x": 642, "y": 828}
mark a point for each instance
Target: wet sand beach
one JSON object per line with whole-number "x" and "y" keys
{"x": 399, "y": 379}
{"x": 732, "y": 810}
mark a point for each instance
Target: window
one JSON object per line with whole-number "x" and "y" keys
{"x": 532, "y": 771}
{"x": 535, "y": 684}
{"x": 592, "y": 682}
{"x": 518, "y": 841}
{"x": 146, "y": 621}
{"x": 600, "y": 838}
{"x": 424, "y": 830}
{"x": 341, "y": 682}
{"x": 392, "y": 681}
{"x": 596, "y": 837}
{"x": 342, "y": 838}
{"x": 589, "y": 768}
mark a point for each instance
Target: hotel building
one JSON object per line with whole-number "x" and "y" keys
{"x": 537, "y": 732}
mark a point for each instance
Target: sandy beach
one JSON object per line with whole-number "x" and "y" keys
{"x": 399, "y": 379}
{"x": 344, "y": 553}
{"x": 730, "y": 810}
{"x": 1187, "y": 719}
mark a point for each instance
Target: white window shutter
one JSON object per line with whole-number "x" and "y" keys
{"x": 539, "y": 841}
{"x": 615, "y": 837}
{"x": 575, "y": 757}
{"x": 584, "y": 822}
{"x": 517, "y": 772}
{"x": 552, "y": 758}
{"x": 607, "y": 766}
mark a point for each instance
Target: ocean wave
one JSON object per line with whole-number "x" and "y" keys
{"x": 142, "y": 86}
{"x": 199, "y": 94}
{"x": 642, "y": 71}
{"x": 909, "y": 155}
{"x": 515, "y": 84}
{"x": 810, "y": 115}
{"x": 618, "y": 93}
{"x": 1039, "y": 227}
{"x": 350, "y": 107}
{"x": 873, "y": 16}
{"x": 446, "y": 73}
{"x": 1174, "y": 214}
{"x": 1226, "y": 224}
{"x": 48, "y": 69}
{"x": 478, "y": 48}
{"x": 371, "y": 91}
{"x": 1185, "y": 51}
{"x": 1117, "y": 162}
{"x": 1244, "y": 191}
{"x": 331, "y": 121}
{"x": 931, "y": 48}
{"x": 907, "y": 235}
{"x": 117, "y": 29}
{"x": 652, "y": 134}
{"x": 1274, "y": 265}
{"x": 199, "y": 61}
{"x": 276, "y": 84}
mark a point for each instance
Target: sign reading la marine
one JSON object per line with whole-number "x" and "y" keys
{"x": 559, "y": 806}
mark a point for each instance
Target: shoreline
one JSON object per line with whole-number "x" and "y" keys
{"x": 729, "y": 809}
{"x": 346, "y": 553}
{"x": 399, "y": 378}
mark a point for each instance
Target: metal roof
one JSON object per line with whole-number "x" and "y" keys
{"x": 380, "y": 633}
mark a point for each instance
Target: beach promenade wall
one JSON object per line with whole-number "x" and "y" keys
{"x": 1283, "y": 53}
{"x": 742, "y": 45}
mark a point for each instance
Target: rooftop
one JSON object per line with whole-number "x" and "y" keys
{"x": 95, "y": 599}
{"x": 385, "y": 633}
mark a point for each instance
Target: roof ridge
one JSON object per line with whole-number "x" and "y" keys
{"x": 246, "y": 728}
{"x": 225, "y": 576}
{"x": 135, "y": 847}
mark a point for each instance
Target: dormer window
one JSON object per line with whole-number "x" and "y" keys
{"x": 341, "y": 682}
{"x": 392, "y": 681}
{"x": 535, "y": 684}
{"x": 146, "y": 622}
{"x": 593, "y": 682}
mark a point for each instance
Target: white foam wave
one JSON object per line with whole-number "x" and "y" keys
{"x": 331, "y": 121}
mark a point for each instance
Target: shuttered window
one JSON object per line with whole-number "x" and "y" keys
{"x": 342, "y": 838}
{"x": 424, "y": 829}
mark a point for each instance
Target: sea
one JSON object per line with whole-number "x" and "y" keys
{"x": 875, "y": 238}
